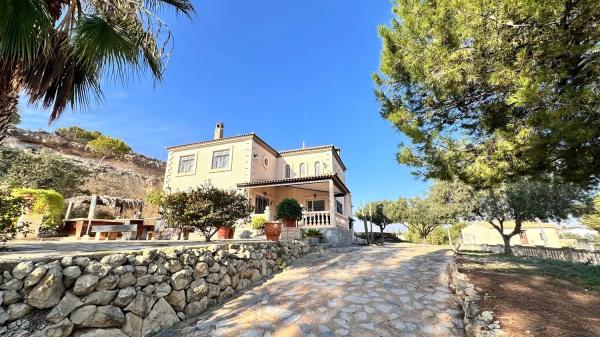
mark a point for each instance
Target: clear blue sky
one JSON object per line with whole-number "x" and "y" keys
{"x": 291, "y": 71}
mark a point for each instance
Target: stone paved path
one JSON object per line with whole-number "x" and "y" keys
{"x": 396, "y": 290}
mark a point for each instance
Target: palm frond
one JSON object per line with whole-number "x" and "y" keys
{"x": 181, "y": 6}
{"x": 25, "y": 27}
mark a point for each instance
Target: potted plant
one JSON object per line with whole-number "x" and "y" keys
{"x": 289, "y": 211}
{"x": 258, "y": 223}
{"x": 225, "y": 232}
{"x": 313, "y": 235}
{"x": 272, "y": 230}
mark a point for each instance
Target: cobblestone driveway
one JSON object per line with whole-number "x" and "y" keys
{"x": 396, "y": 290}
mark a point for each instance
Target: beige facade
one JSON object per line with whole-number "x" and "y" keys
{"x": 314, "y": 176}
{"x": 532, "y": 234}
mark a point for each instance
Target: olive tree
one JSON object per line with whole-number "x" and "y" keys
{"x": 11, "y": 208}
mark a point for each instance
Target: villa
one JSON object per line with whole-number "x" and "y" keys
{"x": 314, "y": 176}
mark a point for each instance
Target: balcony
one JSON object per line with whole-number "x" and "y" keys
{"x": 321, "y": 219}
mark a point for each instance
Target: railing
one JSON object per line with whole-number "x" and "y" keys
{"x": 322, "y": 219}
{"x": 562, "y": 254}
{"x": 315, "y": 219}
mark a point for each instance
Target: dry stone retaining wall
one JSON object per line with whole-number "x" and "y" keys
{"x": 131, "y": 294}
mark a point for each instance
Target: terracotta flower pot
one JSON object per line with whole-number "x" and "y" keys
{"x": 272, "y": 230}
{"x": 225, "y": 233}
{"x": 289, "y": 222}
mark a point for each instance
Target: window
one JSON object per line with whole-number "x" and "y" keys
{"x": 288, "y": 171}
{"x": 220, "y": 159}
{"x": 339, "y": 207}
{"x": 186, "y": 164}
{"x": 266, "y": 162}
{"x": 318, "y": 168}
{"x": 316, "y": 205}
{"x": 302, "y": 170}
{"x": 260, "y": 203}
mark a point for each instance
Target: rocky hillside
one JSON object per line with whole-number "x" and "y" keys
{"x": 130, "y": 177}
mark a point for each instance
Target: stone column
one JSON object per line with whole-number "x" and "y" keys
{"x": 268, "y": 213}
{"x": 332, "y": 205}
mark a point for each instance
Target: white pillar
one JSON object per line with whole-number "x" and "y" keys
{"x": 68, "y": 214}
{"x": 332, "y": 205}
{"x": 268, "y": 214}
{"x": 91, "y": 213}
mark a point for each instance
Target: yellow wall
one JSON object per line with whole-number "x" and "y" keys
{"x": 309, "y": 159}
{"x": 240, "y": 152}
{"x": 477, "y": 234}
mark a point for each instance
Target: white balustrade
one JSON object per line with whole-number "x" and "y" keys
{"x": 315, "y": 219}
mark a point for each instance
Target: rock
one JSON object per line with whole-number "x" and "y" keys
{"x": 196, "y": 308}
{"x": 122, "y": 270}
{"x": 11, "y": 297}
{"x": 125, "y": 296}
{"x": 83, "y": 316}
{"x": 4, "y": 316}
{"x": 7, "y": 276}
{"x": 228, "y": 292}
{"x": 142, "y": 304}
{"x": 213, "y": 278}
{"x": 133, "y": 325}
{"x": 21, "y": 270}
{"x": 202, "y": 269}
{"x": 85, "y": 284}
{"x": 487, "y": 316}
{"x": 47, "y": 293}
{"x": 70, "y": 274}
{"x": 108, "y": 282}
{"x": 145, "y": 280}
{"x": 215, "y": 268}
{"x": 161, "y": 317}
{"x": 114, "y": 260}
{"x": 213, "y": 290}
{"x": 235, "y": 279}
{"x": 197, "y": 290}
{"x": 18, "y": 311}
{"x": 99, "y": 333}
{"x": 174, "y": 266}
{"x": 60, "y": 329}
{"x": 181, "y": 279}
{"x": 140, "y": 270}
{"x": 162, "y": 290}
{"x": 188, "y": 259}
{"x": 54, "y": 265}
{"x": 97, "y": 268}
{"x": 149, "y": 289}
{"x": 13, "y": 284}
{"x": 67, "y": 304}
{"x": 225, "y": 281}
{"x": 67, "y": 261}
{"x": 35, "y": 276}
{"x": 107, "y": 316}
{"x": 101, "y": 297}
{"x": 82, "y": 261}
{"x": 176, "y": 299}
{"x": 126, "y": 280}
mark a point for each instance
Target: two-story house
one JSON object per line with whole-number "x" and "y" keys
{"x": 315, "y": 176}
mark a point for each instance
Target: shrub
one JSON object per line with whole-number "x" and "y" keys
{"x": 311, "y": 232}
{"x": 109, "y": 146}
{"x": 289, "y": 208}
{"x": 258, "y": 222}
{"x": 47, "y": 202}
{"x": 77, "y": 134}
{"x": 11, "y": 208}
{"x": 41, "y": 171}
{"x": 155, "y": 197}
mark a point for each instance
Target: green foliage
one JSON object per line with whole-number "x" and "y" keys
{"x": 592, "y": 220}
{"x": 205, "y": 208}
{"x": 40, "y": 171}
{"x": 488, "y": 91}
{"x": 312, "y": 233}
{"x": 258, "y": 222}
{"x": 155, "y": 197}
{"x": 47, "y": 202}
{"x": 11, "y": 208}
{"x": 289, "y": 208}
{"x": 109, "y": 146}
{"x": 439, "y": 236}
{"x": 60, "y": 54}
{"x": 77, "y": 134}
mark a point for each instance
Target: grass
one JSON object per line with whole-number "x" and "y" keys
{"x": 579, "y": 274}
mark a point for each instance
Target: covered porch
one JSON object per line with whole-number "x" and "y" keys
{"x": 325, "y": 199}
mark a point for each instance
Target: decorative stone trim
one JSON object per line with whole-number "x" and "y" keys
{"x": 477, "y": 323}
{"x": 132, "y": 294}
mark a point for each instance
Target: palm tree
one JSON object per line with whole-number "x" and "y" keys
{"x": 57, "y": 51}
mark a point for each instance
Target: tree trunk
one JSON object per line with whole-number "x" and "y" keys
{"x": 507, "y": 249}
{"x": 9, "y": 101}
{"x": 366, "y": 232}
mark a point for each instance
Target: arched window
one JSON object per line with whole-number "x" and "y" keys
{"x": 318, "y": 168}
{"x": 288, "y": 171}
{"x": 302, "y": 170}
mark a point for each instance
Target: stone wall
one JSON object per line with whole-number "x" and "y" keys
{"x": 131, "y": 294}
{"x": 337, "y": 237}
{"x": 563, "y": 254}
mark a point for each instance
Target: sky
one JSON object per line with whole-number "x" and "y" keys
{"x": 291, "y": 71}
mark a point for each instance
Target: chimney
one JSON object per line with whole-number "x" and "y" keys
{"x": 219, "y": 130}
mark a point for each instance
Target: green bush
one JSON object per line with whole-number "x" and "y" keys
{"x": 77, "y": 134}
{"x": 155, "y": 197}
{"x": 311, "y": 232}
{"x": 47, "y": 202}
{"x": 289, "y": 208}
{"x": 258, "y": 222}
{"x": 11, "y": 208}
{"x": 109, "y": 146}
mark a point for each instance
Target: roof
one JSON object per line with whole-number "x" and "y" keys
{"x": 525, "y": 225}
{"x": 265, "y": 144}
{"x": 336, "y": 179}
